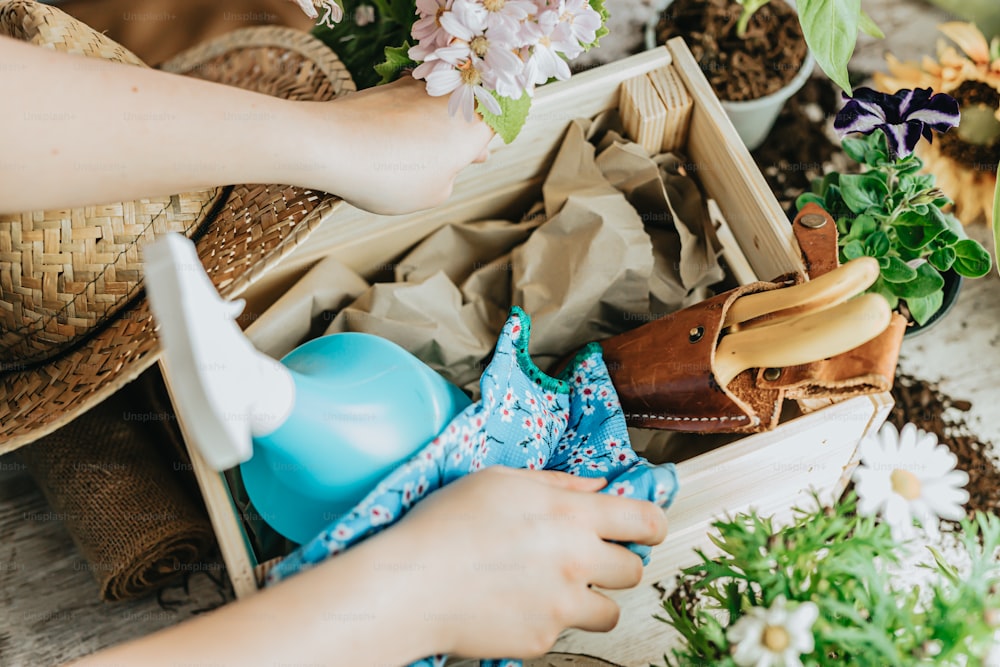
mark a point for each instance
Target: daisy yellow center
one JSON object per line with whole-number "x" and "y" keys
{"x": 494, "y": 5}
{"x": 479, "y": 45}
{"x": 470, "y": 75}
{"x": 905, "y": 483}
{"x": 776, "y": 639}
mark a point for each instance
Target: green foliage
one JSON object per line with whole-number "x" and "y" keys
{"x": 830, "y": 28}
{"x": 831, "y": 31}
{"x": 892, "y": 212}
{"x": 841, "y": 562}
{"x": 513, "y": 114}
{"x": 363, "y": 47}
{"x": 396, "y": 60}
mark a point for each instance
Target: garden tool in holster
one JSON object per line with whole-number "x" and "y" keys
{"x": 725, "y": 365}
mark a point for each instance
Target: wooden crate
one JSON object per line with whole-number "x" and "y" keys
{"x": 772, "y": 472}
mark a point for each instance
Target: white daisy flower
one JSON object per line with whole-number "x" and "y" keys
{"x": 582, "y": 19}
{"x": 504, "y": 19}
{"x": 551, "y": 37}
{"x": 906, "y": 475}
{"x": 464, "y": 20}
{"x": 774, "y": 637}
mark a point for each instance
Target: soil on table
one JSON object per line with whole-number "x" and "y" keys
{"x": 923, "y": 404}
{"x": 739, "y": 69}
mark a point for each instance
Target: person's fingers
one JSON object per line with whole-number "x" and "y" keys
{"x": 628, "y": 520}
{"x": 482, "y": 157}
{"x": 595, "y": 612}
{"x": 566, "y": 481}
{"x": 614, "y": 567}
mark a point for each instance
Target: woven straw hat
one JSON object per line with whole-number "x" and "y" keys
{"x": 74, "y": 326}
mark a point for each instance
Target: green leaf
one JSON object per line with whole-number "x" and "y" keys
{"x": 808, "y": 198}
{"x": 513, "y": 114}
{"x": 971, "y": 259}
{"x": 860, "y": 228}
{"x": 598, "y": 6}
{"x": 833, "y": 202}
{"x": 912, "y": 238}
{"x": 396, "y": 60}
{"x": 877, "y": 244}
{"x": 856, "y": 149}
{"x": 942, "y": 258}
{"x": 882, "y": 287}
{"x": 927, "y": 282}
{"x": 853, "y": 250}
{"x": 896, "y": 270}
{"x": 916, "y": 231}
{"x": 947, "y": 238}
{"x": 923, "y": 308}
{"x": 862, "y": 191}
{"x": 869, "y": 27}
{"x": 831, "y": 31}
{"x": 996, "y": 217}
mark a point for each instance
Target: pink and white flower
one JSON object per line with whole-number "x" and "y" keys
{"x": 427, "y": 30}
{"x": 582, "y": 19}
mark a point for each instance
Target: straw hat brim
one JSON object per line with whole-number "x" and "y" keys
{"x": 254, "y": 227}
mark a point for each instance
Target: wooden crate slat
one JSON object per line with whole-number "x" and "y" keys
{"x": 728, "y": 173}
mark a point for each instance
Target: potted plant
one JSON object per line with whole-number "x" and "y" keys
{"x": 855, "y": 582}
{"x": 892, "y": 211}
{"x": 758, "y": 53}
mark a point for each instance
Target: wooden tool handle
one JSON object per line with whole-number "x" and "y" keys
{"x": 828, "y": 290}
{"x": 804, "y": 339}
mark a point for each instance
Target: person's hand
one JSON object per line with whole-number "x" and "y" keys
{"x": 510, "y": 556}
{"x": 403, "y": 148}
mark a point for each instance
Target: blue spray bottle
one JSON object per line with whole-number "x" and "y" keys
{"x": 313, "y": 433}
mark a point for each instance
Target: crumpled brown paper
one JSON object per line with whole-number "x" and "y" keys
{"x": 618, "y": 239}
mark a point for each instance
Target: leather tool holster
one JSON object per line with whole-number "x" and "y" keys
{"x": 663, "y": 370}
{"x": 868, "y": 369}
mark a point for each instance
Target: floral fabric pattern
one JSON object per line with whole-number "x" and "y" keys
{"x": 525, "y": 419}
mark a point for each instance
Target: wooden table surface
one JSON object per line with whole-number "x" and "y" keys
{"x": 49, "y": 611}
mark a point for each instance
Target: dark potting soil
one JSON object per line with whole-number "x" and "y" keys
{"x": 798, "y": 148}
{"x": 929, "y": 409}
{"x": 739, "y": 69}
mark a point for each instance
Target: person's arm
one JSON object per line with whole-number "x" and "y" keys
{"x": 494, "y": 565}
{"x": 78, "y": 131}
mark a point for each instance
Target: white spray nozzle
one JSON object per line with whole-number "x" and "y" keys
{"x": 224, "y": 389}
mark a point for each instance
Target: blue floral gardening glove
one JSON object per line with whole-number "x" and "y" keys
{"x": 526, "y": 419}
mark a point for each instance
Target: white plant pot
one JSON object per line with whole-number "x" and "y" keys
{"x": 753, "y": 119}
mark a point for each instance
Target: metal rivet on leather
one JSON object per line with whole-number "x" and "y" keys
{"x": 772, "y": 374}
{"x": 695, "y": 334}
{"x": 813, "y": 220}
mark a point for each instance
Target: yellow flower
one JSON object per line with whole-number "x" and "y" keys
{"x": 964, "y": 161}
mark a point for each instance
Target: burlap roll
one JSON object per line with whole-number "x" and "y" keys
{"x": 115, "y": 478}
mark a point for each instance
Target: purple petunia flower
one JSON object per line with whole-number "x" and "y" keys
{"x": 903, "y": 116}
